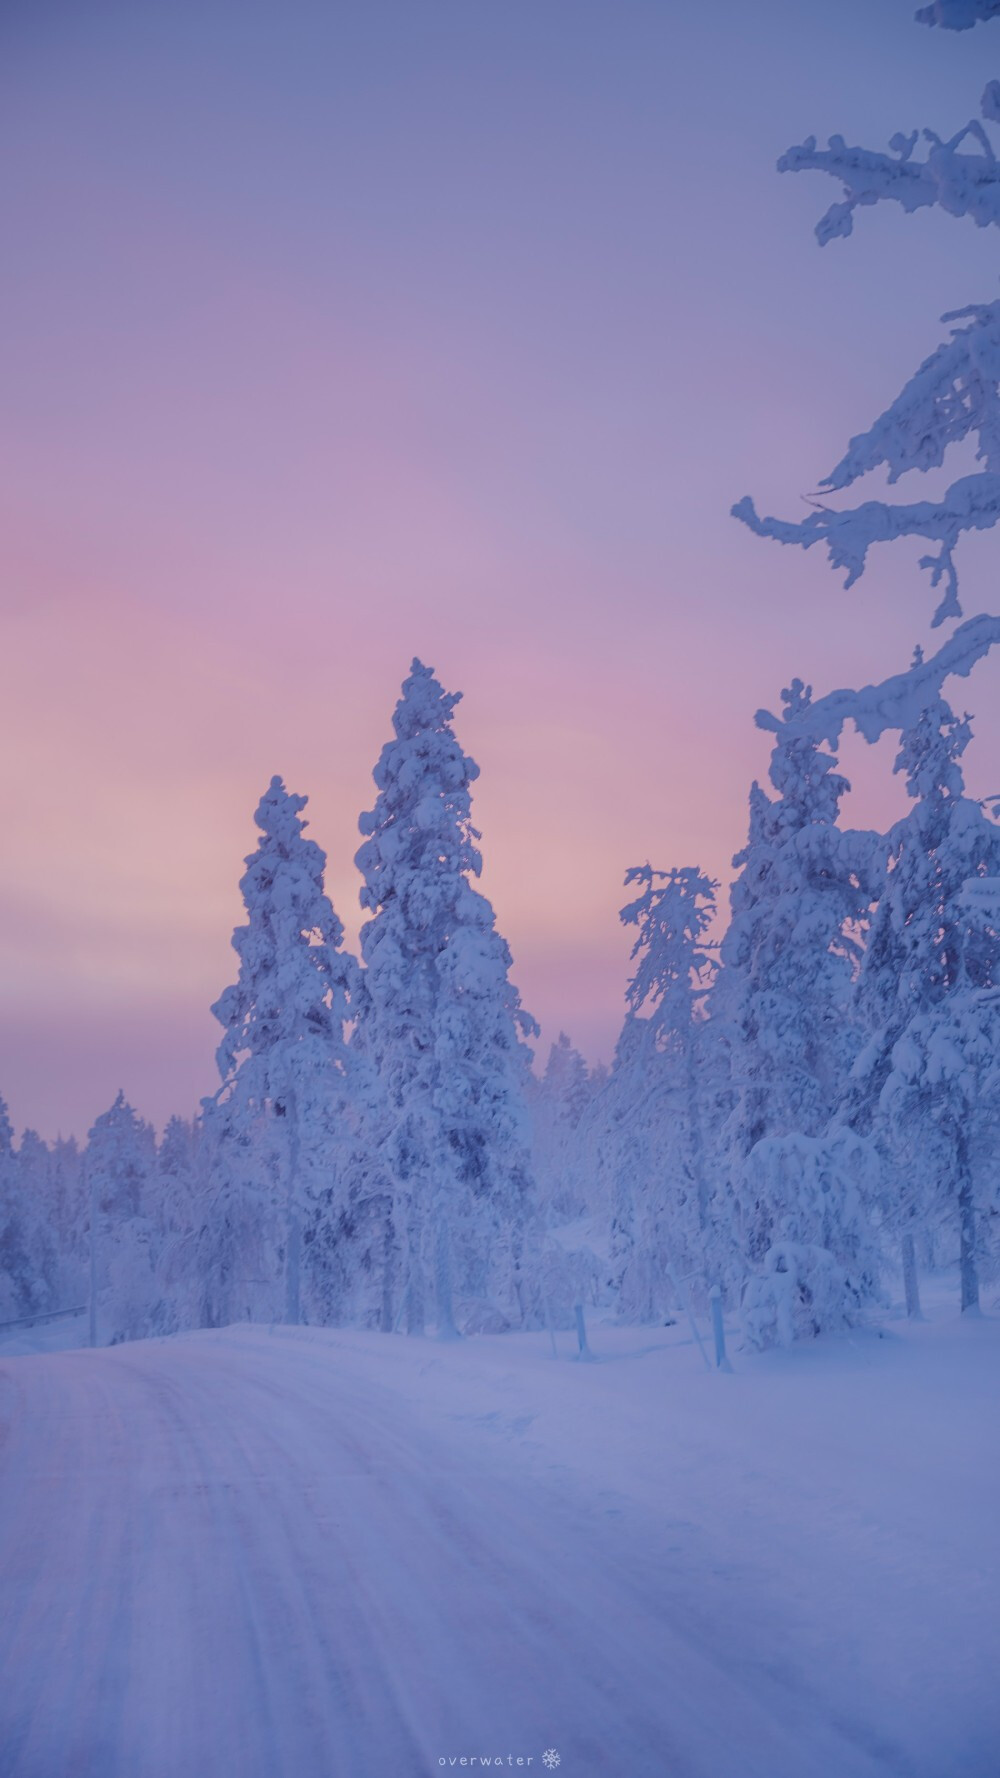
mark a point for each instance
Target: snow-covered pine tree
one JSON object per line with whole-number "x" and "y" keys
{"x": 953, "y": 398}
{"x": 644, "y": 1123}
{"x": 789, "y": 957}
{"x": 940, "y": 1102}
{"x": 175, "y": 1174}
{"x": 27, "y": 1251}
{"x": 441, "y": 1028}
{"x": 119, "y": 1160}
{"x": 176, "y": 1213}
{"x": 926, "y": 998}
{"x": 565, "y": 1144}
{"x": 558, "y": 1102}
{"x": 955, "y": 394}
{"x": 68, "y": 1200}
{"x": 629, "y": 1131}
{"x": 271, "y": 1131}
{"x": 820, "y": 1270}
{"x": 118, "y": 1164}
{"x": 898, "y": 704}
{"x": 567, "y": 1079}
{"x": 15, "y": 1276}
{"x": 675, "y": 965}
{"x": 34, "y": 1190}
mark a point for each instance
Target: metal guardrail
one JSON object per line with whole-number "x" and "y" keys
{"x": 43, "y": 1315}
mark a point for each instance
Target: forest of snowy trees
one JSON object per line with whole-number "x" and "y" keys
{"x": 804, "y": 1101}
{"x": 796, "y": 1109}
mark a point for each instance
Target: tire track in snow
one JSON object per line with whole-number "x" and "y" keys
{"x": 279, "y": 1572}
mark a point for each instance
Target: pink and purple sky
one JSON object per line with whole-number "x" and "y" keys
{"x": 334, "y": 334}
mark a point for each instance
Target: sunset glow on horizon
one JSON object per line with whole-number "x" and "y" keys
{"x": 334, "y": 338}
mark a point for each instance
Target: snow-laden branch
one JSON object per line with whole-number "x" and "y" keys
{"x": 899, "y": 701}
{"x": 970, "y": 504}
{"x": 958, "y": 15}
{"x": 982, "y": 896}
{"x": 955, "y": 395}
{"x": 964, "y": 181}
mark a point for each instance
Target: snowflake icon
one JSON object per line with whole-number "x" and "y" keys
{"x": 551, "y": 1759}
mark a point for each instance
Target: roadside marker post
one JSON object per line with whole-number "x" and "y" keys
{"x": 550, "y": 1325}
{"x": 721, "y": 1361}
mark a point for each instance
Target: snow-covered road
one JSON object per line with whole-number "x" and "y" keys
{"x": 247, "y": 1555}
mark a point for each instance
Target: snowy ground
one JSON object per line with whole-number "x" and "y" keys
{"x": 295, "y": 1554}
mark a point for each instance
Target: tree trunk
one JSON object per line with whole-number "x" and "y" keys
{"x": 695, "y": 1135}
{"x": 967, "y": 1247}
{"x": 911, "y": 1282}
{"x": 93, "y": 1262}
{"x": 293, "y": 1254}
{"x": 414, "y": 1278}
{"x": 293, "y": 1235}
{"x": 446, "y": 1328}
{"x": 387, "y": 1319}
{"x": 414, "y": 1304}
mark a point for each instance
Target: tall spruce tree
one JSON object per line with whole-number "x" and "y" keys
{"x": 905, "y": 923}
{"x": 283, "y": 1060}
{"x": 651, "y": 1149}
{"x": 789, "y": 959}
{"x": 23, "y": 1287}
{"x": 442, "y": 1027}
{"x": 118, "y": 1165}
{"x": 35, "y": 1195}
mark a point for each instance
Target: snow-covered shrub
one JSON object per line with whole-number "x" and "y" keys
{"x": 474, "y": 1315}
{"x": 808, "y": 1214}
{"x": 817, "y": 1190}
{"x": 800, "y": 1292}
